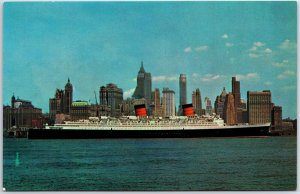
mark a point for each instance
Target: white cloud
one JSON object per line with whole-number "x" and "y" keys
{"x": 288, "y": 45}
{"x": 188, "y": 50}
{"x": 128, "y": 93}
{"x": 286, "y": 74}
{"x": 268, "y": 83}
{"x": 225, "y": 36}
{"x": 210, "y": 77}
{"x": 228, "y": 44}
{"x": 257, "y": 50}
{"x": 134, "y": 79}
{"x": 197, "y": 49}
{"x": 206, "y": 78}
{"x": 248, "y": 77}
{"x": 201, "y": 48}
{"x": 268, "y": 50}
{"x": 259, "y": 44}
{"x": 254, "y": 48}
{"x": 284, "y": 63}
{"x": 195, "y": 75}
{"x": 254, "y": 55}
{"x": 285, "y": 44}
{"x": 164, "y": 78}
{"x": 291, "y": 87}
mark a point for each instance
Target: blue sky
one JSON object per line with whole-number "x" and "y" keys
{"x": 102, "y": 42}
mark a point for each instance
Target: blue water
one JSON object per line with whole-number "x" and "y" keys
{"x": 150, "y": 164}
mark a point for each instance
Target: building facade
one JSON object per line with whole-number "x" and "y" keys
{"x": 56, "y": 104}
{"x": 112, "y": 97}
{"x": 182, "y": 91}
{"x": 156, "y": 102}
{"x": 144, "y": 85}
{"x": 79, "y": 110}
{"x": 197, "y": 102}
{"x": 62, "y": 101}
{"x": 68, "y": 97}
{"x": 219, "y": 103}
{"x": 83, "y": 110}
{"x": 237, "y": 100}
{"x": 168, "y": 102}
{"x": 259, "y": 106}
{"x": 208, "y": 106}
{"x": 229, "y": 113}
{"x": 276, "y": 118}
{"x": 127, "y": 106}
{"x": 21, "y": 114}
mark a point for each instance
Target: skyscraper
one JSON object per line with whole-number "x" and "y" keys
{"x": 259, "y": 107}
{"x": 156, "y": 99}
{"x": 182, "y": 91}
{"x": 229, "y": 110}
{"x": 168, "y": 102}
{"x": 62, "y": 101}
{"x": 103, "y": 95}
{"x": 237, "y": 99}
{"x": 144, "y": 85}
{"x": 208, "y": 106}
{"x": 68, "y": 97}
{"x": 219, "y": 103}
{"x": 112, "y": 96}
{"x": 197, "y": 102}
{"x": 56, "y": 104}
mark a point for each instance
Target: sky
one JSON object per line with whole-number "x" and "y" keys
{"x": 97, "y": 43}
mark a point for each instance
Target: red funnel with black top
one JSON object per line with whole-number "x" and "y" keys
{"x": 140, "y": 110}
{"x": 188, "y": 110}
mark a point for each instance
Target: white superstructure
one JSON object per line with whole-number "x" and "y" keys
{"x": 138, "y": 123}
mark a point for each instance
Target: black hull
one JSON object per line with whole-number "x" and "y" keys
{"x": 101, "y": 134}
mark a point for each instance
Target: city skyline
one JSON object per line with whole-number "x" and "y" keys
{"x": 98, "y": 43}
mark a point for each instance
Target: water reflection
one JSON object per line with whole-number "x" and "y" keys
{"x": 17, "y": 160}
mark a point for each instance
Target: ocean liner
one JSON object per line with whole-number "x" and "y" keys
{"x": 146, "y": 127}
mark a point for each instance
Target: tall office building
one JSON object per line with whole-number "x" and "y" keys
{"x": 111, "y": 96}
{"x": 156, "y": 99}
{"x": 68, "y": 97}
{"x": 208, "y": 106}
{"x": 237, "y": 100}
{"x": 277, "y": 117}
{"x": 197, "y": 102}
{"x": 103, "y": 95}
{"x": 168, "y": 102}
{"x": 182, "y": 91}
{"x": 229, "y": 110}
{"x": 219, "y": 103}
{"x": 144, "y": 85}
{"x": 56, "y": 104}
{"x": 259, "y": 107}
{"x": 62, "y": 101}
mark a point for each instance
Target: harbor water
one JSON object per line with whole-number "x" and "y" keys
{"x": 209, "y": 164}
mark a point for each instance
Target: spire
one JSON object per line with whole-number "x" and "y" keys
{"x": 223, "y": 92}
{"x": 69, "y": 85}
{"x": 142, "y": 70}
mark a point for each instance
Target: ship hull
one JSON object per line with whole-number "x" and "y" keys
{"x": 257, "y": 131}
